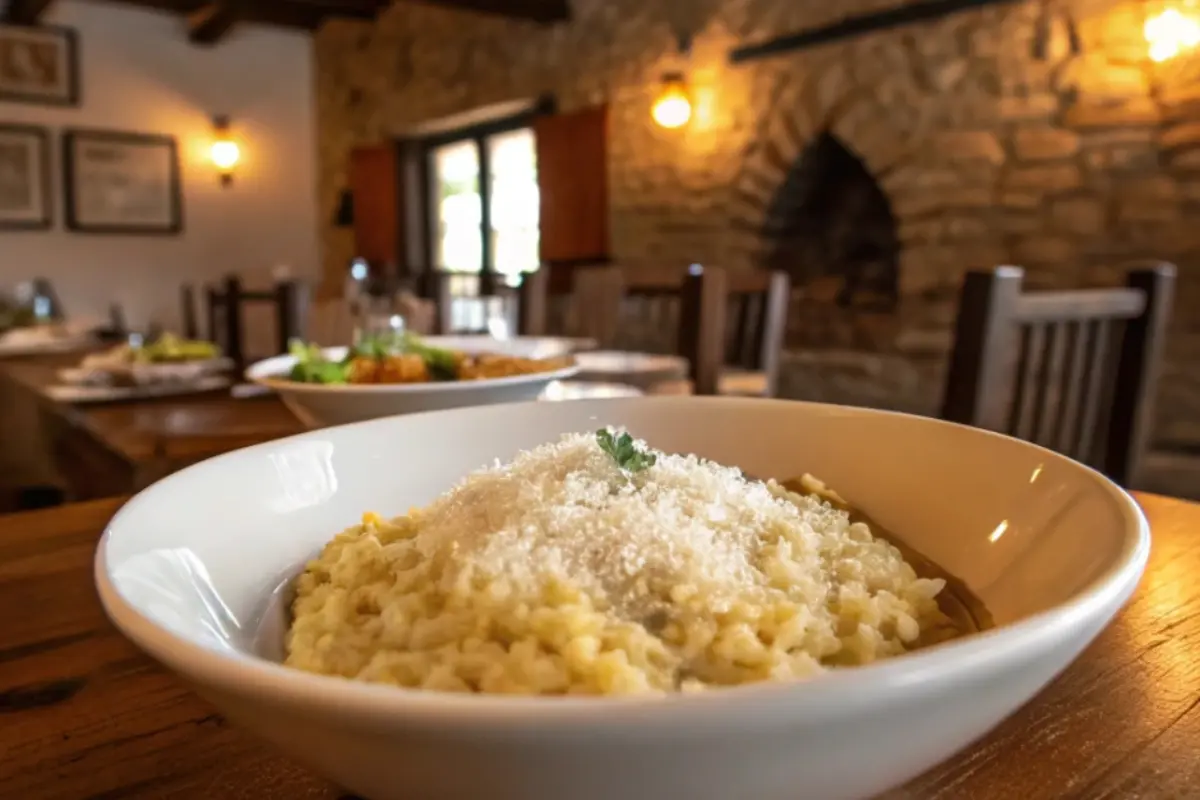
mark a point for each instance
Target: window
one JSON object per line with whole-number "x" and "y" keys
{"x": 512, "y": 160}
{"x": 458, "y": 208}
{"x": 505, "y": 238}
{"x": 483, "y": 213}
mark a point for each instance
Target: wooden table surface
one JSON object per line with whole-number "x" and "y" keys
{"x": 85, "y": 715}
{"x": 106, "y": 449}
{"x": 197, "y": 425}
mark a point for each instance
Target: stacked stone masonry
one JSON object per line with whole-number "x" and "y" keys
{"x": 1037, "y": 134}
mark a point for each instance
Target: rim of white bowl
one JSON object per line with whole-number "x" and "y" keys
{"x": 272, "y": 372}
{"x": 582, "y": 344}
{"x": 635, "y": 358}
{"x": 828, "y": 696}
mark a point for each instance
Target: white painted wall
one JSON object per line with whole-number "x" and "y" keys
{"x": 139, "y": 73}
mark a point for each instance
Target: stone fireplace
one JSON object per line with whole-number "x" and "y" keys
{"x": 831, "y": 228}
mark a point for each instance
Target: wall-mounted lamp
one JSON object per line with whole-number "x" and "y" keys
{"x": 673, "y": 108}
{"x": 1171, "y": 32}
{"x": 224, "y": 151}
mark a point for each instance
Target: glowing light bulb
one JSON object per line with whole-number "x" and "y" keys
{"x": 225, "y": 154}
{"x": 1170, "y": 33}
{"x": 673, "y": 108}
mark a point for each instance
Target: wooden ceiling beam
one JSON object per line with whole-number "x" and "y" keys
{"x": 208, "y": 24}
{"x": 544, "y": 11}
{"x": 209, "y": 21}
{"x": 320, "y": 9}
{"x": 24, "y": 12}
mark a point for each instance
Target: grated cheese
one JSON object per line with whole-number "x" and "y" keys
{"x": 566, "y": 511}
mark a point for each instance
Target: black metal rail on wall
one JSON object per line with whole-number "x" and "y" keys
{"x": 848, "y": 27}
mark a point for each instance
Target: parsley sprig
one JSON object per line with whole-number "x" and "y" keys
{"x": 625, "y": 451}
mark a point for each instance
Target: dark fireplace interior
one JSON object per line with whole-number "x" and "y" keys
{"x": 831, "y": 228}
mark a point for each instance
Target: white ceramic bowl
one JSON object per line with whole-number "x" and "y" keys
{"x": 317, "y": 405}
{"x": 1052, "y": 548}
{"x": 643, "y": 370}
{"x": 523, "y": 346}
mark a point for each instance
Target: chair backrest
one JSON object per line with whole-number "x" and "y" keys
{"x": 533, "y": 300}
{"x": 545, "y": 300}
{"x": 187, "y": 299}
{"x": 721, "y": 318}
{"x": 227, "y": 303}
{"x": 733, "y": 318}
{"x": 1074, "y": 371}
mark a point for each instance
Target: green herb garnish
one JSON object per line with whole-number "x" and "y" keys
{"x": 625, "y": 451}
{"x": 372, "y": 347}
{"x": 313, "y": 367}
{"x": 442, "y": 364}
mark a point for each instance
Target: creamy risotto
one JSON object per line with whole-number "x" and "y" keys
{"x": 595, "y": 565}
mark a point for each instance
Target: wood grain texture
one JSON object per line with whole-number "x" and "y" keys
{"x": 85, "y": 715}
{"x": 117, "y": 448}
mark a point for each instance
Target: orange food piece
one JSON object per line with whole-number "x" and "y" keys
{"x": 362, "y": 370}
{"x": 406, "y": 368}
{"x": 411, "y": 368}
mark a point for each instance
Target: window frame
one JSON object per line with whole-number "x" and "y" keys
{"x": 477, "y": 134}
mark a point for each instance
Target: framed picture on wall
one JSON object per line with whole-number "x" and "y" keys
{"x": 24, "y": 177}
{"x": 117, "y": 182}
{"x": 39, "y": 64}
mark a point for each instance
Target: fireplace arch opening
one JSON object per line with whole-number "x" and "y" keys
{"x": 831, "y": 228}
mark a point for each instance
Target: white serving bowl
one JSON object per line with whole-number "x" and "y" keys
{"x": 318, "y": 405}
{"x": 523, "y": 346}
{"x": 1053, "y": 549}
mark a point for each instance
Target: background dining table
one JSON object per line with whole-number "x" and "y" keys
{"x": 107, "y": 449}
{"x": 83, "y": 714}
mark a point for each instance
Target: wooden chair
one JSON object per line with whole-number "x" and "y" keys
{"x": 117, "y": 327}
{"x": 533, "y": 301}
{"x": 226, "y": 305}
{"x": 729, "y": 324}
{"x": 187, "y": 299}
{"x": 1074, "y": 371}
{"x": 546, "y": 300}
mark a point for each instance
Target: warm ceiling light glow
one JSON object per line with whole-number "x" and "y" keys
{"x": 225, "y": 154}
{"x": 1170, "y": 33}
{"x": 673, "y": 108}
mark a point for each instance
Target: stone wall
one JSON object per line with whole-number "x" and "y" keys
{"x": 1036, "y": 134}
